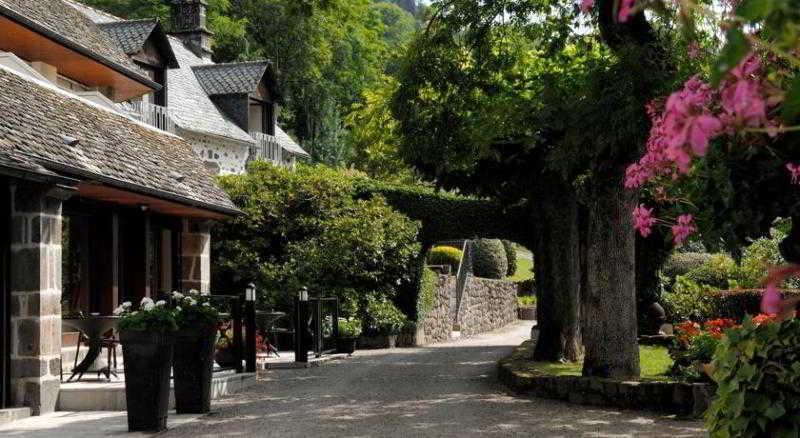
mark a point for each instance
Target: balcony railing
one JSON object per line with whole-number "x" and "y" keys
{"x": 267, "y": 148}
{"x": 153, "y": 115}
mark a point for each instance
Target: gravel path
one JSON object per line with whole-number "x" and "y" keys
{"x": 441, "y": 391}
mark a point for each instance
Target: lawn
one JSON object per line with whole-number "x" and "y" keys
{"x": 654, "y": 362}
{"x": 524, "y": 269}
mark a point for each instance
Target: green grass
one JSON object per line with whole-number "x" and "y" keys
{"x": 524, "y": 270}
{"x": 654, "y": 362}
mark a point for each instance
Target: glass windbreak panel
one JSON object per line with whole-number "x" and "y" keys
{"x": 87, "y": 263}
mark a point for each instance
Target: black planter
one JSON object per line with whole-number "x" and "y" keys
{"x": 193, "y": 369}
{"x": 346, "y": 345}
{"x": 226, "y": 357}
{"x": 148, "y": 359}
{"x": 527, "y": 313}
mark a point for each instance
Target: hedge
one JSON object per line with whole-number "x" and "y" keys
{"x": 511, "y": 257}
{"x": 489, "y": 259}
{"x": 445, "y": 216}
{"x": 735, "y": 304}
{"x": 427, "y": 293}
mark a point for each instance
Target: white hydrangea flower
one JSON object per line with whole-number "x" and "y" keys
{"x": 146, "y": 300}
{"x": 206, "y": 304}
{"x": 205, "y": 293}
{"x": 191, "y": 301}
{"x": 161, "y": 303}
{"x": 177, "y": 295}
{"x": 119, "y": 310}
{"x": 193, "y": 292}
{"x": 148, "y": 306}
{"x": 178, "y": 308}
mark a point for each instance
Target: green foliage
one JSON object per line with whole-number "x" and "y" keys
{"x": 489, "y": 258}
{"x": 306, "y": 228}
{"x": 511, "y": 257}
{"x": 524, "y": 270}
{"x": 758, "y": 382}
{"x": 447, "y": 256}
{"x": 427, "y": 293}
{"x": 526, "y": 301}
{"x": 195, "y": 310}
{"x": 736, "y": 304}
{"x": 688, "y": 301}
{"x": 149, "y": 317}
{"x": 382, "y": 317}
{"x": 349, "y": 328}
{"x": 716, "y": 272}
{"x": 681, "y": 263}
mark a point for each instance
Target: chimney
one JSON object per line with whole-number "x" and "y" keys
{"x": 189, "y": 25}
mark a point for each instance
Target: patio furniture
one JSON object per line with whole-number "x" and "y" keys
{"x": 93, "y": 330}
{"x": 268, "y": 320}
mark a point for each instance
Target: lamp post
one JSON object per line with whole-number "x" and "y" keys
{"x": 301, "y": 326}
{"x": 250, "y": 327}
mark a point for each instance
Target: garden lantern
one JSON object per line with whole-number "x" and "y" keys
{"x": 250, "y": 293}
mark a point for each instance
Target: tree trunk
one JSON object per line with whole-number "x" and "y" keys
{"x": 558, "y": 276}
{"x": 611, "y": 333}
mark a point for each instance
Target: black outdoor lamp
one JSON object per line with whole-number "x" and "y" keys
{"x": 250, "y": 327}
{"x": 301, "y": 326}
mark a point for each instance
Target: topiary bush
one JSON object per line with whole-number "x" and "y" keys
{"x": 718, "y": 271}
{"x": 511, "y": 257}
{"x": 681, "y": 263}
{"x": 758, "y": 382}
{"x": 688, "y": 301}
{"x": 446, "y": 256}
{"x": 489, "y": 259}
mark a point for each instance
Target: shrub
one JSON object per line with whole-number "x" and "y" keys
{"x": 526, "y": 301}
{"x": 384, "y": 318}
{"x": 427, "y": 293}
{"x": 349, "y": 328}
{"x": 489, "y": 259}
{"x": 681, "y": 263}
{"x": 688, "y": 301}
{"x": 511, "y": 257}
{"x": 527, "y": 287}
{"x": 306, "y": 227}
{"x": 446, "y": 256}
{"x": 717, "y": 271}
{"x": 758, "y": 382}
{"x": 736, "y": 304}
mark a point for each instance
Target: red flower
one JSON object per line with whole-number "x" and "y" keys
{"x": 764, "y": 319}
{"x": 687, "y": 331}
{"x": 716, "y": 327}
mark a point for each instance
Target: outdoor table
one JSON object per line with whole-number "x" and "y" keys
{"x": 93, "y": 327}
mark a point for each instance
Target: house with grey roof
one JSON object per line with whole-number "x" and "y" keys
{"x": 97, "y": 206}
{"x": 228, "y": 112}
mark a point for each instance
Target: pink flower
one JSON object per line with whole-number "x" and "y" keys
{"x": 771, "y": 301}
{"x": 625, "y": 9}
{"x": 743, "y": 103}
{"x": 693, "y": 50}
{"x": 794, "y": 171}
{"x": 643, "y": 220}
{"x": 688, "y": 124}
{"x": 586, "y": 6}
{"x": 683, "y": 228}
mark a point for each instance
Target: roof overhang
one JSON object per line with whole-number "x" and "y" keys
{"x": 34, "y": 42}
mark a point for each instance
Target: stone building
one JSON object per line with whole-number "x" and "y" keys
{"x": 228, "y": 112}
{"x": 96, "y": 207}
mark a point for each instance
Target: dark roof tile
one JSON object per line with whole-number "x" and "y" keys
{"x": 233, "y": 78}
{"x": 112, "y": 148}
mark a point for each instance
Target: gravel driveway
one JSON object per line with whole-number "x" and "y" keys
{"x": 441, "y": 391}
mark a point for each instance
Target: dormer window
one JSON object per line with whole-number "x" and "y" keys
{"x": 262, "y": 116}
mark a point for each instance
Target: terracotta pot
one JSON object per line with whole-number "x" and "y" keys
{"x": 148, "y": 360}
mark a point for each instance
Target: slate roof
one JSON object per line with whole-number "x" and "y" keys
{"x": 62, "y": 22}
{"x": 288, "y": 143}
{"x": 113, "y": 149}
{"x": 131, "y": 36}
{"x": 94, "y": 14}
{"x": 233, "y": 78}
{"x": 191, "y": 107}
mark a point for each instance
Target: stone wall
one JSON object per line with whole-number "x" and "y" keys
{"x": 484, "y": 306}
{"x": 437, "y": 323}
{"x": 35, "y": 288}
{"x": 487, "y": 305}
{"x": 196, "y": 255}
{"x": 220, "y": 156}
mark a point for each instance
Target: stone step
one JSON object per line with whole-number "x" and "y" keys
{"x": 10, "y": 415}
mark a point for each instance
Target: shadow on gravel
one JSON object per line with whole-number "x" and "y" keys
{"x": 437, "y": 392}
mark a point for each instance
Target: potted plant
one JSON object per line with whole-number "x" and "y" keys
{"x": 195, "y": 343}
{"x": 349, "y": 331}
{"x": 526, "y": 307}
{"x": 147, "y": 335}
{"x": 385, "y": 320}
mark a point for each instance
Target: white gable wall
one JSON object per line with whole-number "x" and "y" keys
{"x": 223, "y": 157}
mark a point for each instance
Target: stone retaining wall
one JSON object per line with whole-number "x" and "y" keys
{"x": 484, "y": 306}
{"x": 682, "y": 398}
